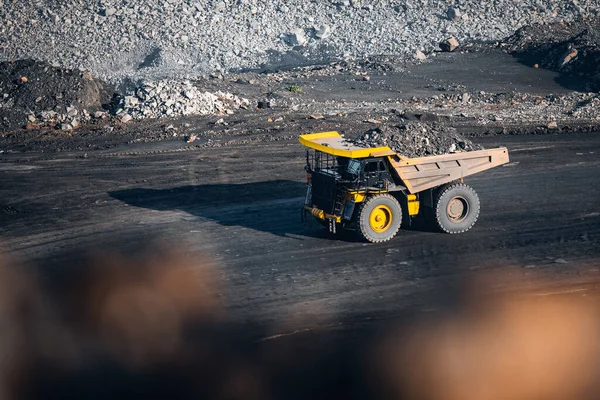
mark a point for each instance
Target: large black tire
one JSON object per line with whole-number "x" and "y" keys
{"x": 456, "y": 208}
{"x": 379, "y": 218}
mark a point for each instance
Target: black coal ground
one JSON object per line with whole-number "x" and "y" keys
{"x": 571, "y": 48}
{"x": 416, "y": 139}
{"x": 29, "y": 87}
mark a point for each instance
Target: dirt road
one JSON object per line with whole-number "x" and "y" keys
{"x": 240, "y": 204}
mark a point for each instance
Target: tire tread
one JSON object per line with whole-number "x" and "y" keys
{"x": 364, "y": 233}
{"x": 438, "y": 211}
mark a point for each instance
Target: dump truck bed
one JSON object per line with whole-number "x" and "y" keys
{"x": 424, "y": 173}
{"x": 418, "y": 174}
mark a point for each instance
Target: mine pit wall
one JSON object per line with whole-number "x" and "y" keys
{"x": 155, "y": 39}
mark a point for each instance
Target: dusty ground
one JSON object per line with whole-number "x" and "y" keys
{"x": 240, "y": 205}
{"x": 234, "y": 194}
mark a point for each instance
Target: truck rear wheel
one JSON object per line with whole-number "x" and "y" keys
{"x": 456, "y": 208}
{"x": 379, "y": 218}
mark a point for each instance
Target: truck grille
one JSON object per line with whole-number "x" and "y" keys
{"x": 323, "y": 191}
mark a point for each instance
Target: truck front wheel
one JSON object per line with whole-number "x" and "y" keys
{"x": 379, "y": 218}
{"x": 456, "y": 208}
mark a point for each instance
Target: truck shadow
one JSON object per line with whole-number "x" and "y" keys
{"x": 273, "y": 207}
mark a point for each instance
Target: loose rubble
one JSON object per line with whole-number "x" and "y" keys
{"x": 449, "y": 44}
{"x": 419, "y": 55}
{"x": 510, "y": 109}
{"x": 173, "y": 98}
{"x": 416, "y": 139}
{"x": 34, "y": 93}
{"x": 297, "y": 37}
{"x": 158, "y": 39}
{"x": 454, "y": 14}
{"x": 571, "y": 48}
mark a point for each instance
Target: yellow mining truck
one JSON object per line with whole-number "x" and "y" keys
{"x": 375, "y": 190}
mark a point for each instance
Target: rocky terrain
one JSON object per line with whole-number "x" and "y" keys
{"x": 572, "y": 48}
{"x": 168, "y": 61}
{"x": 34, "y": 95}
{"x": 32, "y": 92}
{"x": 172, "y": 98}
{"x": 185, "y": 38}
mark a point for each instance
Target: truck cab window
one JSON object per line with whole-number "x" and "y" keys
{"x": 371, "y": 167}
{"x": 353, "y": 167}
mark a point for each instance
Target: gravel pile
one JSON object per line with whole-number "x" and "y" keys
{"x": 510, "y": 109}
{"x": 169, "y": 98}
{"x": 587, "y": 107}
{"x": 571, "y": 48}
{"x": 157, "y": 39}
{"x": 36, "y": 93}
{"x": 416, "y": 139}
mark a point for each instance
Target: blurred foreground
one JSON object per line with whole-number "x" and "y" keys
{"x": 156, "y": 327}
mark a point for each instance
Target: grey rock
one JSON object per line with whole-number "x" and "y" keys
{"x": 449, "y": 44}
{"x": 114, "y": 38}
{"x": 451, "y": 29}
{"x": 454, "y": 14}
{"x": 297, "y": 37}
{"x": 109, "y": 12}
{"x": 419, "y": 55}
{"x": 323, "y": 31}
{"x": 48, "y": 115}
{"x": 72, "y": 111}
